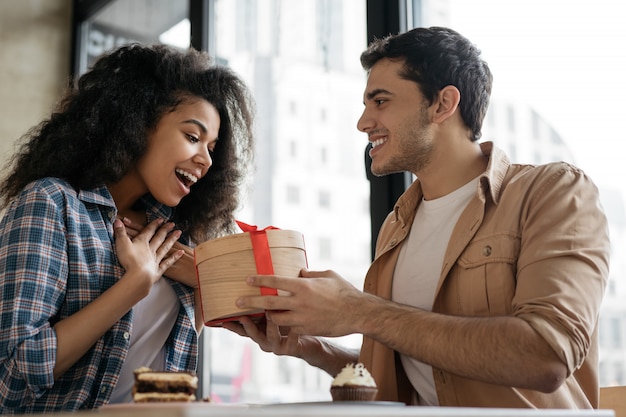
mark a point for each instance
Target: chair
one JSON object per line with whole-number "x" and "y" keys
{"x": 614, "y": 398}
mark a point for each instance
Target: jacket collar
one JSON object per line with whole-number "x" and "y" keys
{"x": 490, "y": 184}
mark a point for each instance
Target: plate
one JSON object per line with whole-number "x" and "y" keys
{"x": 172, "y": 404}
{"x": 335, "y": 403}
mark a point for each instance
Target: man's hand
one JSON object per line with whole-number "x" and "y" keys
{"x": 321, "y": 303}
{"x": 315, "y": 351}
{"x": 269, "y": 336}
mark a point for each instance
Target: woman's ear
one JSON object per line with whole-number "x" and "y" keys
{"x": 447, "y": 101}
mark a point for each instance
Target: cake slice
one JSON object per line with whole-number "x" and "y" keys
{"x": 161, "y": 386}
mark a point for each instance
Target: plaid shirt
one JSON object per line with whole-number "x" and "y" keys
{"x": 57, "y": 254}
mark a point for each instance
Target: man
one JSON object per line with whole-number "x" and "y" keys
{"x": 488, "y": 276}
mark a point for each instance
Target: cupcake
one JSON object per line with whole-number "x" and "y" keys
{"x": 353, "y": 383}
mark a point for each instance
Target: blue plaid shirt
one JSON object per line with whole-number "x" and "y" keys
{"x": 57, "y": 254}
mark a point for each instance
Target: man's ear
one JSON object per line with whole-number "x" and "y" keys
{"x": 447, "y": 101}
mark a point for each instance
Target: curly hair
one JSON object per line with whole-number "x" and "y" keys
{"x": 101, "y": 126}
{"x": 434, "y": 58}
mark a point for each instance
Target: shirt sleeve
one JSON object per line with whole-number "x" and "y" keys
{"x": 564, "y": 261}
{"x": 33, "y": 277}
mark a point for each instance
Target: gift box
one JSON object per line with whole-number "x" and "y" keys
{"x": 223, "y": 264}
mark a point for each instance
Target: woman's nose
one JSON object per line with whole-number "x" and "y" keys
{"x": 204, "y": 158}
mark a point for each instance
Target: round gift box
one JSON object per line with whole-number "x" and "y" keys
{"x": 223, "y": 264}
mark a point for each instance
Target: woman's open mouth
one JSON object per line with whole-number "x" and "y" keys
{"x": 186, "y": 178}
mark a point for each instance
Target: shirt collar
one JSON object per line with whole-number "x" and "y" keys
{"x": 490, "y": 183}
{"x": 101, "y": 196}
{"x": 156, "y": 210}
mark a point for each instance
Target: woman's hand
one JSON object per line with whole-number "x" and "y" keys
{"x": 184, "y": 269}
{"x": 144, "y": 258}
{"x": 147, "y": 254}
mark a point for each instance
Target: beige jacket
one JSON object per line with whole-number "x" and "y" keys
{"x": 532, "y": 243}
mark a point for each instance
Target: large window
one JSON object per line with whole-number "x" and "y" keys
{"x": 301, "y": 59}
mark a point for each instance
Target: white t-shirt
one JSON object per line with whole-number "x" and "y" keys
{"x": 153, "y": 320}
{"x": 418, "y": 269}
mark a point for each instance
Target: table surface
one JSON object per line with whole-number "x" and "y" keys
{"x": 325, "y": 409}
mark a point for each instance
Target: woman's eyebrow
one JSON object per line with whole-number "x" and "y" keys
{"x": 197, "y": 123}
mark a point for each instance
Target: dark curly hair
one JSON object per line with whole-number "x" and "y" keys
{"x": 100, "y": 129}
{"x": 436, "y": 57}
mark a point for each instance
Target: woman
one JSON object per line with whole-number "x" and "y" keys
{"x": 151, "y": 138}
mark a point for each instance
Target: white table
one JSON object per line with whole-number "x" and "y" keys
{"x": 321, "y": 410}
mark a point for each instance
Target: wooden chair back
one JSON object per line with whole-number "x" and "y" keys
{"x": 614, "y": 398}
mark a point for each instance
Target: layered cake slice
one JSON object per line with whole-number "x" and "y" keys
{"x": 160, "y": 386}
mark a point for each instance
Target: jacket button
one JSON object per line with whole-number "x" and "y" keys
{"x": 487, "y": 250}
{"x": 393, "y": 242}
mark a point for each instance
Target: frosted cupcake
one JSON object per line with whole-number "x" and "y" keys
{"x": 353, "y": 383}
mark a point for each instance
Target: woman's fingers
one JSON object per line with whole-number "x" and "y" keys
{"x": 132, "y": 228}
{"x": 121, "y": 237}
{"x": 160, "y": 236}
{"x": 119, "y": 229}
{"x": 161, "y": 242}
{"x": 164, "y": 244}
{"x": 164, "y": 240}
{"x": 149, "y": 248}
{"x": 170, "y": 260}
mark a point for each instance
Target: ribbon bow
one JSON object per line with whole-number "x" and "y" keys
{"x": 261, "y": 250}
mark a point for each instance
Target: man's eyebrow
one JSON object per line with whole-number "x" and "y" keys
{"x": 197, "y": 123}
{"x": 376, "y": 92}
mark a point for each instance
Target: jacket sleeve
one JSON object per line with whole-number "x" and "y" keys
{"x": 563, "y": 266}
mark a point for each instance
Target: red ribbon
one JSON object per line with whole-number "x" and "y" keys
{"x": 261, "y": 250}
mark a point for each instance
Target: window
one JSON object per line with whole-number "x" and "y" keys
{"x": 301, "y": 59}
{"x": 535, "y": 124}
{"x": 322, "y": 115}
{"x": 323, "y": 155}
{"x": 121, "y": 22}
{"x": 615, "y": 331}
{"x": 510, "y": 118}
{"x": 326, "y": 247}
{"x": 293, "y": 149}
{"x": 293, "y": 108}
{"x": 293, "y": 194}
{"x": 324, "y": 199}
